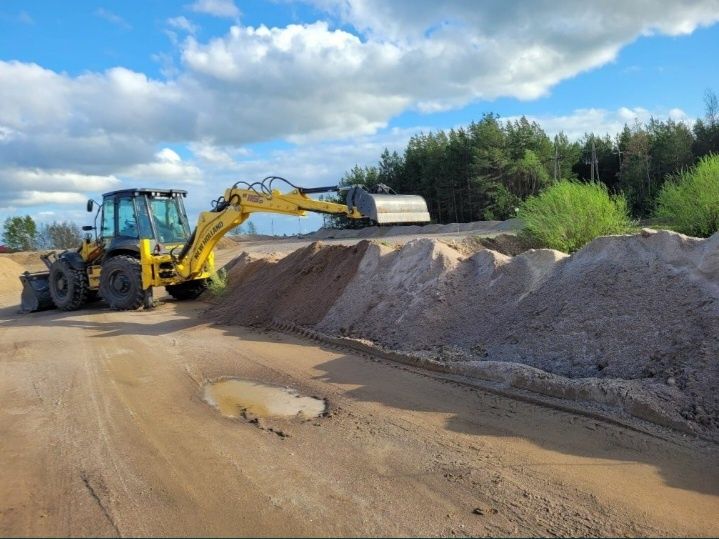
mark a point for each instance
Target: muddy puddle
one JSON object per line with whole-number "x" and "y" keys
{"x": 234, "y": 398}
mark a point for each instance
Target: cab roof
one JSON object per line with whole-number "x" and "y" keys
{"x": 145, "y": 190}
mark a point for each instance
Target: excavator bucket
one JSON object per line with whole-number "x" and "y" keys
{"x": 35, "y": 292}
{"x": 386, "y": 207}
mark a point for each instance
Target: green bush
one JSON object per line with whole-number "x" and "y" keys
{"x": 217, "y": 283}
{"x": 570, "y": 214}
{"x": 689, "y": 202}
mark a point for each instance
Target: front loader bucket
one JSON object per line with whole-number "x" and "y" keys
{"x": 35, "y": 292}
{"x": 389, "y": 208}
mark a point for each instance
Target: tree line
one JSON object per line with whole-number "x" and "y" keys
{"x": 23, "y": 234}
{"x": 485, "y": 170}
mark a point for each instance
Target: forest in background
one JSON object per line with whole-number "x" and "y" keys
{"x": 485, "y": 170}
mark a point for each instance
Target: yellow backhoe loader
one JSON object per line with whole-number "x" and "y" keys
{"x": 144, "y": 241}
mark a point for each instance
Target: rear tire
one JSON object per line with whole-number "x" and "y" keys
{"x": 187, "y": 290}
{"x": 121, "y": 283}
{"x": 68, "y": 286}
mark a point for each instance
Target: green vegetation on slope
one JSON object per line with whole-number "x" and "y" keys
{"x": 569, "y": 214}
{"x": 689, "y": 202}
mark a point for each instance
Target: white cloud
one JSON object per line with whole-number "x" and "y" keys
{"x": 215, "y": 155}
{"x": 12, "y": 179}
{"x": 321, "y": 163}
{"x": 182, "y": 23}
{"x": 33, "y": 187}
{"x": 601, "y": 121}
{"x": 167, "y": 166}
{"x": 216, "y": 8}
{"x": 37, "y": 198}
{"x": 309, "y": 82}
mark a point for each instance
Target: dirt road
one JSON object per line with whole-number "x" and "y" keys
{"x": 104, "y": 431}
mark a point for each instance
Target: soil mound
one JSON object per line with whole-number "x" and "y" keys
{"x": 225, "y": 243}
{"x": 300, "y": 287}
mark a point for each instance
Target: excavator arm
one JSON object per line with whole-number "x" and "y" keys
{"x": 236, "y": 206}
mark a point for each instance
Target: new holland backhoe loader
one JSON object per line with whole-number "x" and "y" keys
{"x": 144, "y": 241}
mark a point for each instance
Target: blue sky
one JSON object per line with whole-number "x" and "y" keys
{"x": 196, "y": 94}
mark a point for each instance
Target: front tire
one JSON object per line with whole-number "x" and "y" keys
{"x": 68, "y": 286}
{"x": 187, "y": 290}
{"x": 121, "y": 283}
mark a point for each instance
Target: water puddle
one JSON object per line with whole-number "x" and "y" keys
{"x": 235, "y": 398}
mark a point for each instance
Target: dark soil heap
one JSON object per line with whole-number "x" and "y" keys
{"x": 300, "y": 287}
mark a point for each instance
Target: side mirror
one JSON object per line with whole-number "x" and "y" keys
{"x": 90, "y": 206}
{"x": 87, "y": 228}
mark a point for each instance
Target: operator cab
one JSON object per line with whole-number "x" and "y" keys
{"x": 129, "y": 215}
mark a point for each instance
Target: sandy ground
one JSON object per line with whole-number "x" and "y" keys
{"x": 104, "y": 432}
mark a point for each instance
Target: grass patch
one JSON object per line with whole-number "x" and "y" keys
{"x": 217, "y": 283}
{"x": 570, "y": 214}
{"x": 689, "y": 202}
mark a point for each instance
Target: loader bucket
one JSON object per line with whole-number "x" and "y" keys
{"x": 35, "y": 292}
{"x": 384, "y": 208}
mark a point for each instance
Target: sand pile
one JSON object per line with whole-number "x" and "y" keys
{"x": 641, "y": 310}
{"x": 29, "y": 260}
{"x": 9, "y": 275}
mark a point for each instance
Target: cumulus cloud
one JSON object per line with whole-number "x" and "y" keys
{"x": 216, "y": 8}
{"x": 216, "y": 155}
{"x": 167, "y": 166}
{"x": 306, "y": 83}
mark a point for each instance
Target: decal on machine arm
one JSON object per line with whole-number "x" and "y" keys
{"x": 210, "y": 234}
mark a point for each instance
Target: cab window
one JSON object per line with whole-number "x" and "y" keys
{"x": 108, "y": 219}
{"x": 170, "y": 223}
{"x": 143, "y": 219}
{"x": 126, "y": 219}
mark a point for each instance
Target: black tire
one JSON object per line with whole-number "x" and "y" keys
{"x": 187, "y": 290}
{"x": 121, "y": 283}
{"x": 68, "y": 286}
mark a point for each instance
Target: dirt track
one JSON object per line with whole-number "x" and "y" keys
{"x": 104, "y": 432}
